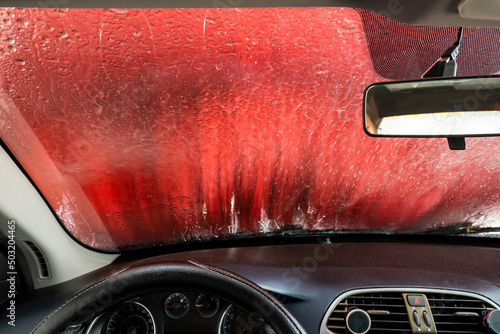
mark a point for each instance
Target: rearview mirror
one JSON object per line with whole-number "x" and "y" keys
{"x": 437, "y": 107}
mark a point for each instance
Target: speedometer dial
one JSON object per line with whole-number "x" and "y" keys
{"x": 177, "y": 305}
{"x": 206, "y": 305}
{"x": 131, "y": 318}
{"x": 236, "y": 321}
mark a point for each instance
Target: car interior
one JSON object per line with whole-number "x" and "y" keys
{"x": 230, "y": 166}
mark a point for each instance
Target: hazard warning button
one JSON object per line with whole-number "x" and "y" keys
{"x": 416, "y": 300}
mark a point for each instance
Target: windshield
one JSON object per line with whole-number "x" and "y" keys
{"x": 151, "y": 127}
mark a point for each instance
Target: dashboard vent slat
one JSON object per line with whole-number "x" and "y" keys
{"x": 390, "y": 318}
{"x": 41, "y": 263}
{"x": 452, "y": 313}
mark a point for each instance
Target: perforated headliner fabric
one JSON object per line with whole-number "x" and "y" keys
{"x": 402, "y": 51}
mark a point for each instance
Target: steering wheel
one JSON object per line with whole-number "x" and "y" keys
{"x": 152, "y": 275}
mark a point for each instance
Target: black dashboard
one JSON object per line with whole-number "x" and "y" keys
{"x": 311, "y": 280}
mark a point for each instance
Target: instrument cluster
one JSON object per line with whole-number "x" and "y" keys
{"x": 177, "y": 312}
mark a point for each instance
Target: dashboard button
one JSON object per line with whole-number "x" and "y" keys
{"x": 427, "y": 321}
{"x": 416, "y": 300}
{"x": 416, "y": 318}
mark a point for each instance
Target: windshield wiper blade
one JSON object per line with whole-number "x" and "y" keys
{"x": 298, "y": 230}
{"x": 461, "y": 228}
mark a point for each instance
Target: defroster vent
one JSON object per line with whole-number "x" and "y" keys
{"x": 39, "y": 261}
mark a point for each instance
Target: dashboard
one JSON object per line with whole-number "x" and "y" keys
{"x": 323, "y": 284}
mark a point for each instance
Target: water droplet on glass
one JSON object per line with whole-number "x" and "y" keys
{"x": 23, "y": 22}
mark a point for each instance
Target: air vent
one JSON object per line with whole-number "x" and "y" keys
{"x": 387, "y": 311}
{"x": 452, "y": 311}
{"x": 41, "y": 264}
{"x": 458, "y": 313}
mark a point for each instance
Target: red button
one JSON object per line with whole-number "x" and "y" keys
{"x": 416, "y": 300}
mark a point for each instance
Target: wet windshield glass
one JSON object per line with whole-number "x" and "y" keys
{"x": 151, "y": 127}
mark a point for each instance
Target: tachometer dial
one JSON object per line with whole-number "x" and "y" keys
{"x": 207, "y": 305}
{"x": 131, "y": 318}
{"x": 176, "y": 305}
{"x": 236, "y": 321}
